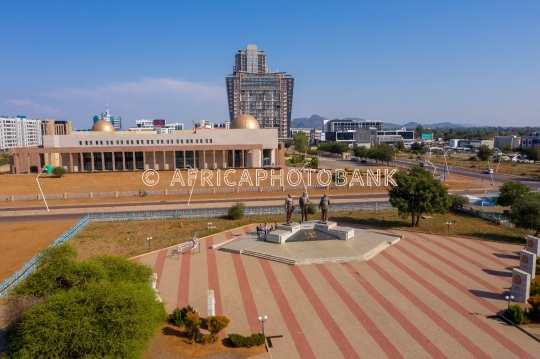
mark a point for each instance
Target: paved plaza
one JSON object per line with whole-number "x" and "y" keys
{"x": 426, "y": 296}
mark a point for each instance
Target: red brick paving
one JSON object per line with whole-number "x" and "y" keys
{"x": 498, "y": 337}
{"x": 160, "y": 263}
{"x": 463, "y": 271}
{"x": 477, "y": 251}
{"x": 441, "y": 322}
{"x": 294, "y": 327}
{"x": 451, "y": 280}
{"x": 432, "y": 302}
{"x": 420, "y": 338}
{"x": 213, "y": 276}
{"x": 183, "y": 281}
{"x": 245, "y": 291}
{"x": 333, "y": 328}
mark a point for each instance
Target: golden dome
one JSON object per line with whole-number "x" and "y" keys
{"x": 244, "y": 122}
{"x": 103, "y": 126}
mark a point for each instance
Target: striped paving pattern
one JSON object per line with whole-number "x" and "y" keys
{"x": 425, "y": 297}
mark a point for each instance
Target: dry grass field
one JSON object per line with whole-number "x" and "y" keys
{"x": 130, "y": 238}
{"x": 21, "y": 241}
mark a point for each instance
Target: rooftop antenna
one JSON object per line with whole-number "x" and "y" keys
{"x": 107, "y": 107}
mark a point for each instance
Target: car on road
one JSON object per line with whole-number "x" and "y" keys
{"x": 488, "y": 171}
{"x": 422, "y": 164}
{"x": 354, "y": 159}
{"x": 363, "y": 161}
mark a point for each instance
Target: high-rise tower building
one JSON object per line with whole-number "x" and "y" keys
{"x": 252, "y": 90}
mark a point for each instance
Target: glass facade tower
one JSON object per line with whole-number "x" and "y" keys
{"x": 252, "y": 90}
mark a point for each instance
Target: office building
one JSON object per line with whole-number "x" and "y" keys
{"x": 19, "y": 132}
{"x": 350, "y": 125}
{"x": 533, "y": 140}
{"x": 245, "y": 145}
{"x": 506, "y": 141}
{"x": 253, "y": 90}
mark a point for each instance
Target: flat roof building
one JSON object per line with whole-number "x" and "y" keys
{"x": 105, "y": 149}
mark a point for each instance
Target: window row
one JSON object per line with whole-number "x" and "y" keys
{"x": 142, "y": 142}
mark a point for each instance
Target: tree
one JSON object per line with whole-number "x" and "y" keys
{"x": 236, "y": 211}
{"x": 419, "y": 129}
{"x": 59, "y": 171}
{"x": 416, "y": 193}
{"x": 300, "y": 141}
{"x": 192, "y": 323}
{"x": 102, "y": 307}
{"x": 288, "y": 143}
{"x": 458, "y": 201}
{"x": 334, "y": 147}
{"x": 314, "y": 163}
{"x": 216, "y": 324}
{"x": 525, "y": 211}
{"x": 400, "y": 146}
{"x": 361, "y": 151}
{"x": 484, "y": 152}
{"x": 532, "y": 153}
{"x": 510, "y": 191}
{"x": 419, "y": 148}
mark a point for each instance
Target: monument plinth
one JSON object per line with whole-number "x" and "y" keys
{"x": 328, "y": 230}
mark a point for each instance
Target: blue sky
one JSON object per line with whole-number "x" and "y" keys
{"x": 475, "y": 62}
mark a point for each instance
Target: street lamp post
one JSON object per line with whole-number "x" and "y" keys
{"x": 149, "y": 239}
{"x": 263, "y": 320}
{"x": 191, "y": 191}
{"x": 448, "y": 224}
{"x": 509, "y": 299}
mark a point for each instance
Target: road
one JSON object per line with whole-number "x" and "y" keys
{"x": 75, "y": 212}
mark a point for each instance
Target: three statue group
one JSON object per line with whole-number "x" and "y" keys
{"x": 304, "y": 202}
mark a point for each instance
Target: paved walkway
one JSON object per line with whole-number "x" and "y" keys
{"x": 425, "y": 297}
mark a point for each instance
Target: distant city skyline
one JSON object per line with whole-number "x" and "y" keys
{"x": 427, "y": 62}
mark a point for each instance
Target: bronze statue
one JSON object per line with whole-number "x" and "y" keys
{"x": 304, "y": 201}
{"x": 323, "y": 206}
{"x": 289, "y": 208}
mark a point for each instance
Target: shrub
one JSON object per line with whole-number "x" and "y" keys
{"x": 239, "y": 341}
{"x": 473, "y": 158}
{"x": 534, "y": 311}
{"x": 458, "y": 201}
{"x": 535, "y": 285}
{"x": 237, "y": 211}
{"x": 192, "y": 323}
{"x": 97, "y": 308}
{"x": 59, "y": 171}
{"x": 515, "y": 313}
{"x": 216, "y": 324}
{"x": 179, "y": 315}
{"x": 311, "y": 208}
{"x": 142, "y": 193}
{"x": 34, "y": 169}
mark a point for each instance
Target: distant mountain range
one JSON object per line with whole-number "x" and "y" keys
{"x": 316, "y": 121}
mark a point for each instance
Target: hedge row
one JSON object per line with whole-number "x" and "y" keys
{"x": 239, "y": 341}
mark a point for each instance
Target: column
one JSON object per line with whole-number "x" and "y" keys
{"x": 233, "y": 159}
{"x": 124, "y": 160}
{"x": 144, "y": 160}
{"x": 133, "y": 160}
{"x": 113, "y": 159}
{"x": 154, "y": 159}
{"x": 164, "y": 162}
{"x": 92, "y": 161}
{"x": 224, "y": 160}
{"x": 213, "y": 159}
{"x": 70, "y": 162}
{"x": 184, "y": 159}
{"x": 102, "y": 161}
{"x": 81, "y": 162}
{"x": 204, "y": 159}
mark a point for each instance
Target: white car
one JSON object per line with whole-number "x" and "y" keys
{"x": 488, "y": 171}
